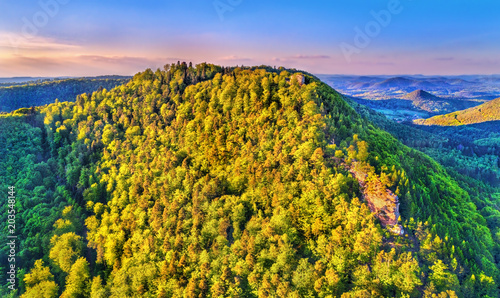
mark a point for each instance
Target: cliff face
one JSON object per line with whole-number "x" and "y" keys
{"x": 381, "y": 200}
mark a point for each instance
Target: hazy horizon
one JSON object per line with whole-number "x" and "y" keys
{"x": 316, "y": 74}
{"x": 70, "y": 38}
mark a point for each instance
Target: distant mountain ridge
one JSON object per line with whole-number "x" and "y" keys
{"x": 17, "y": 80}
{"x": 482, "y": 87}
{"x": 396, "y": 82}
{"x": 489, "y": 111}
{"x": 41, "y": 92}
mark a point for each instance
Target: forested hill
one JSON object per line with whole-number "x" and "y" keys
{"x": 489, "y": 111}
{"x": 233, "y": 182}
{"x": 433, "y": 104}
{"x": 44, "y": 92}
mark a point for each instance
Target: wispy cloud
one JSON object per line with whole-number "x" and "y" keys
{"x": 300, "y": 57}
{"x": 48, "y": 65}
{"x": 311, "y": 57}
{"x": 444, "y": 59}
{"x": 15, "y": 42}
{"x": 234, "y": 58}
{"x": 115, "y": 59}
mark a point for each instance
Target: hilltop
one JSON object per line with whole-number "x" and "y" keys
{"x": 433, "y": 104}
{"x": 425, "y": 101}
{"x": 419, "y": 95}
{"x": 211, "y": 181}
{"x": 489, "y": 111}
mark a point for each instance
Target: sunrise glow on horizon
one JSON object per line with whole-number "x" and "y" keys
{"x": 74, "y": 38}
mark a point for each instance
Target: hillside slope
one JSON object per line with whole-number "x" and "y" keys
{"x": 213, "y": 182}
{"x": 489, "y": 111}
{"x": 26, "y": 95}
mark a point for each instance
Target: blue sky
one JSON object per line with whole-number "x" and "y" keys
{"x": 75, "y": 37}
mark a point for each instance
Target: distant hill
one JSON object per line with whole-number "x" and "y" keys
{"x": 42, "y": 92}
{"x": 396, "y": 82}
{"x": 428, "y": 102}
{"x": 14, "y": 81}
{"x": 410, "y": 83}
{"x": 429, "y": 83}
{"x": 387, "y": 87}
{"x": 489, "y": 111}
{"x": 19, "y": 80}
{"x": 433, "y": 104}
{"x": 421, "y": 95}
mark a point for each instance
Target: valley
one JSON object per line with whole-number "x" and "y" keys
{"x": 407, "y": 98}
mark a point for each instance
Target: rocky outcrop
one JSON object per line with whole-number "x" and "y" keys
{"x": 298, "y": 77}
{"x": 381, "y": 200}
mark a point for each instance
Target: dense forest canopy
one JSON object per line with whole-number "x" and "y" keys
{"x": 471, "y": 153}
{"x": 209, "y": 181}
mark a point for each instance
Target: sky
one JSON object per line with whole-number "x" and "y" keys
{"x": 88, "y": 38}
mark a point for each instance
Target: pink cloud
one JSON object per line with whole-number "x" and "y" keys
{"x": 77, "y": 65}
